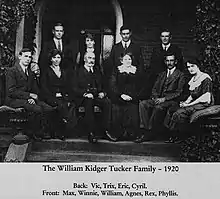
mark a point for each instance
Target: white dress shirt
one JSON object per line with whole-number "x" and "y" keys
{"x": 56, "y": 43}
{"x": 127, "y": 43}
{"x": 165, "y": 47}
{"x": 24, "y": 68}
{"x": 171, "y": 71}
{"x": 89, "y": 68}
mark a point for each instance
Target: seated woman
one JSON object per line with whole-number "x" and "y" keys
{"x": 200, "y": 88}
{"x": 55, "y": 89}
{"x": 124, "y": 94}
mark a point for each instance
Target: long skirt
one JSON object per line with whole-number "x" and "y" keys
{"x": 125, "y": 117}
{"x": 177, "y": 116}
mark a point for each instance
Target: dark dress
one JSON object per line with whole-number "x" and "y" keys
{"x": 55, "y": 91}
{"x": 125, "y": 116}
{"x": 177, "y": 116}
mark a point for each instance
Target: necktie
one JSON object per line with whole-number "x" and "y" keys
{"x": 26, "y": 72}
{"x": 59, "y": 46}
{"x": 126, "y": 46}
{"x": 169, "y": 73}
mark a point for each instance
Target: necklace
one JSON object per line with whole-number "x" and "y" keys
{"x": 195, "y": 79}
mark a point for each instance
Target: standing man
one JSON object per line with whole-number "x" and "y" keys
{"x": 69, "y": 50}
{"x": 22, "y": 90}
{"x": 126, "y": 45}
{"x": 89, "y": 91}
{"x": 166, "y": 92}
{"x": 157, "y": 63}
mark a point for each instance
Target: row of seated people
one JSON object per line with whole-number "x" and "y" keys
{"x": 123, "y": 113}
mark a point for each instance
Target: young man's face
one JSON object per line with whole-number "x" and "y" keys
{"x": 25, "y": 58}
{"x": 165, "y": 37}
{"x": 125, "y": 35}
{"x": 170, "y": 61}
{"x": 58, "y": 32}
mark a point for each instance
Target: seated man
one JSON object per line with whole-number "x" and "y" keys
{"x": 88, "y": 92}
{"x": 22, "y": 89}
{"x": 165, "y": 93}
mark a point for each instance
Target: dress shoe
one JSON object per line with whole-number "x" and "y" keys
{"x": 92, "y": 138}
{"x": 110, "y": 137}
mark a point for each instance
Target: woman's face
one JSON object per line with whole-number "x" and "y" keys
{"x": 192, "y": 68}
{"x": 126, "y": 61}
{"x": 56, "y": 60}
{"x": 90, "y": 43}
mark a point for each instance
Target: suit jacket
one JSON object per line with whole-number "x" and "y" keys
{"x": 19, "y": 86}
{"x": 51, "y": 85}
{"x": 69, "y": 53}
{"x": 171, "y": 88}
{"x": 118, "y": 50}
{"x": 85, "y": 82}
{"x": 157, "y": 64}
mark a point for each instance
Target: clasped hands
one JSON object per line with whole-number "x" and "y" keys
{"x": 90, "y": 95}
{"x": 32, "y": 98}
{"x": 158, "y": 100}
{"x": 126, "y": 97}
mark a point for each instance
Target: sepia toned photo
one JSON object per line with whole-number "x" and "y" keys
{"x": 109, "y": 81}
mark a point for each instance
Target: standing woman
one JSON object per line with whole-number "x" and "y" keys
{"x": 124, "y": 85}
{"x": 55, "y": 89}
{"x": 88, "y": 46}
{"x": 200, "y": 97}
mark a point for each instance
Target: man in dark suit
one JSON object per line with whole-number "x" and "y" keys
{"x": 126, "y": 45}
{"x": 69, "y": 49}
{"x": 88, "y": 92}
{"x": 157, "y": 63}
{"x": 165, "y": 93}
{"x": 22, "y": 88}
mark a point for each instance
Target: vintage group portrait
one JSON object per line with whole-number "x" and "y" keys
{"x": 109, "y": 81}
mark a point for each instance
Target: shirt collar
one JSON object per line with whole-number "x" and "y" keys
{"x": 167, "y": 46}
{"x": 89, "y": 68}
{"x": 23, "y": 67}
{"x": 171, "y": 70}
{"x": 56, "y": 40}
{"x": 127, "y": 43}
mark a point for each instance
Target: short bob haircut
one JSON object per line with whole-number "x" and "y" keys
{"x": 53, "y": 53}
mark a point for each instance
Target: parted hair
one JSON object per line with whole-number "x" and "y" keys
{"x": 24, "y": 50}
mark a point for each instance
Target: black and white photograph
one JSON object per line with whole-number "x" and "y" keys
{"x": 109, "y": 99}
{"x": 109, "y": 81}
